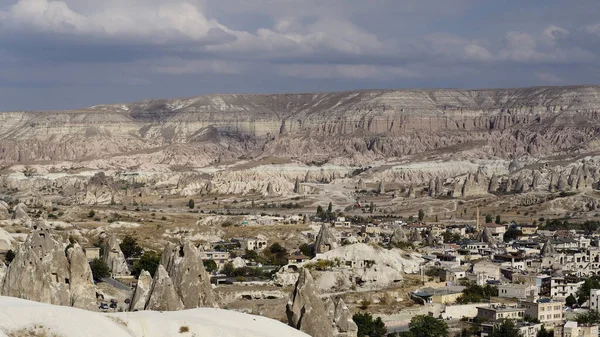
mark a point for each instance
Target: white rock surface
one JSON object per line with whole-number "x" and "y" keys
{"x": 62, "y": 321}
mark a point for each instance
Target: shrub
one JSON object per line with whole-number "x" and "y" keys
{"x": 99, "y": 269}
{"x": 184, "y": 329}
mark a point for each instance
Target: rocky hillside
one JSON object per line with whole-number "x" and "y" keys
{"x": 350, "y": 128}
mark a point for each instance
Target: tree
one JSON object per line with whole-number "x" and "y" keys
{"x": 210, "y": 265}
{"x": 250, "y": 255}
{"x": 590, "y": 317}
{"x": 371, "y": 207}
{"x": 91, "y": 214}
{"x": 149, "y": 262}
{"x": 319, "y": 210}
{"x": 277, "y": 254}
{"x": 99, "y": 269}
{"x": 488, "y": 218}
{"x": 329, "y": 208}
{"x": 367, "y": 326}
{"x": 505, "y": 329}
{"x": 498, "y": 220}
{"x": 9, "y": 256}
{"x": 474, "y": 293}
{"x": 545, "y": 333}
{"x": 583, "y": 294}
{"x": 228, "y": 269}
{"x": 307, "y": 250}
{"x": 427, "y": 326}
{"x": 421, "y": 215}
{"x": 512, "y": 234}
{"x": 130, "y": 247}
{"x": 191, "y": 204}
{"x": 571, "y": 300}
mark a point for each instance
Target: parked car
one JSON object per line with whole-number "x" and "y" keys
{"x": 103, "y": 306}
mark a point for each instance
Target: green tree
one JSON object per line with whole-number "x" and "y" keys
{"x": 474, "y": 293}
{"x": 583, "y": 294}
{"x": 488, "y": 218}
{"x": 319, "y": 210}
{"x": 99, "y": 269}
{"x": 571, "y": 300}
{"x": 590, "y": 317}
{"x": 276, "y": 254}
{"x": 191, "y": 204}
{"x": 329, "y": 208}
{"x": 421, "y": 215}
{"x": 210, "y": 265}
{"x": 307, "y": 250}
{"x": 149, "y": 262}
{"x": 372, "y": 207}
{"x": 427, "y": 326}
{"x": 9, "y": 256}
{"x": 228, "y": 269}
{"x": 130, "y": 247}
{"x": 505, "y": 329}
{"x": 498, "y": 220}
{"x": 91, "y": 214}
{"x": 545, "y": 333}
{"x": 251, "y": 255}
{"x": 367, "y": 326}
{"x": 512, "y": 234}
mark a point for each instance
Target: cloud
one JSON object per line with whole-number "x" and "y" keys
{"x": 549, "y": 78}
{"x": 360, "y": 71}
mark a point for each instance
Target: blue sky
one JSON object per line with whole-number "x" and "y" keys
{"x": 77, "y": 53}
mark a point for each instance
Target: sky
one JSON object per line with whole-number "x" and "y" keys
{"x": 76, "y": 53}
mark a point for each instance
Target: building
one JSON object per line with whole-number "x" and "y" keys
{"x": 498, "y": 312}
{"x": 297, "y": 257}
{"x": 446, "y": 295}
{"x": 496, "y": 230}
{"x": 488, "y": 270}
{"x": 219, "y": 257}
{"x": 254, "y": 244}
{"x": 563, "y": 286}
{"x": 595, "y": 299}
{"x": 454, "y": 274}
{"x": 520, "y": 291}
{"x": 572, "y": 329}
{"x": 92, "y": 253}
{"x": 525, "y": 329}
{"x": 549, "y": 312}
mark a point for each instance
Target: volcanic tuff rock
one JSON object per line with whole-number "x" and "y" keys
{"x": 163, "y": 296}
{"x": 325, "y": 240}
{"x": 306, "y": 311}
{"x": 142, "y": 292}
{"x": 184, "y": 271}
{"x": 350, "y": 127}
{"x": 41, "y": 272}
{"x": 114, "y": 258}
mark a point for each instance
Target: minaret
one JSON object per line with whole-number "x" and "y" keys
{"x": 477, "y": 221}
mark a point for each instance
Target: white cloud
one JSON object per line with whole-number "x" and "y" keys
{"x": 549, "y": 78}
{"x": 360, "y": 71}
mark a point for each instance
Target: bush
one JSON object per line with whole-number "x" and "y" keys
{"x": 191, "y": 204}
{"x": 9, "y": 256}
{"x": 184, "y": 329}
{"x": 367, "y": 326}
{"x": 130, "y": 247}
{"x": 91, "y": 214}
{"x": 210, "y": 265}
{"x": 99, "y": 269}
{"x": 149, "y": 262}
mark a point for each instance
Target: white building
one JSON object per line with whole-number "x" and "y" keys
{"x": 520, "y": 291}
{"x": 563, "y": 286}
{"x": 595, "y": 299}
{"x": 254, "y": 244}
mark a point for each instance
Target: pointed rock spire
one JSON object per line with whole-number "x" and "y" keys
{"x": 548, "y": 249}
{"x": 163, "y": 296}
{"x": 399, "y": 236}
{"x": 142, "y": 292}
{"x": 306, "y": 311}
{"x": 114, "y": 258}
{"x": 325, "y": 240}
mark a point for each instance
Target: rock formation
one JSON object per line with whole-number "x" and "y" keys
{"x": 163, "y": 296}
{"x": 297, "y": 186}
{"x": 548, "y": 249}
{"x": 142, "y": 292}
{"x": 6, "y": 241}
{"x": 361, "y": 185}
{"x": 343, "y": 320}
{"x": 182, "y": 282}
{"x": 114, "y": 258}
{"x": 41, "y": 272}
{"x": 325, "y": 240}
{"x": 20, "y": 212}
{"x": 381, "y": 188}
{"x": 306, "y": 311}
{"x": 486, "y": 236}
{"x": 399, "y": 236}
{"x": 4, "y": 213}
